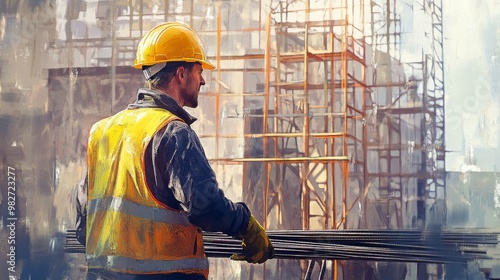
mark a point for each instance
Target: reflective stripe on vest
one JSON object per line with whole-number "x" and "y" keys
{"x": 133, "y": 209}
{"x": 128, "y": 230}
{"x": 148, "y": 266}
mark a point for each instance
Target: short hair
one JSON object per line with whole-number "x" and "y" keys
{"x": 165, "y": 75}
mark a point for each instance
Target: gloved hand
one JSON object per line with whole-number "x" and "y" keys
{"x": 257, "y": 247}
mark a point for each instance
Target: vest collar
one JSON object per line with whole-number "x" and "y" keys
{"x": 147, "y": 98}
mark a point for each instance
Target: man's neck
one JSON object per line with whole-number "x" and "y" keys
{"x": 174, "y": 94}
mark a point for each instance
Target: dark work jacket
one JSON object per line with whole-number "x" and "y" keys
{"x": 179, "y": 175}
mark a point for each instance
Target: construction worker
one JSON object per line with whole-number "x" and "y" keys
{"x": 149, "y": 190}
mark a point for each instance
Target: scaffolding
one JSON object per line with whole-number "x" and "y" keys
{"x": 318, "y": 93}
{"x": 394, "y": 122}
{"x": 434, "y": 141}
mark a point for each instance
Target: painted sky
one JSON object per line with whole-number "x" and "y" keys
{"x": 472, "y": 84}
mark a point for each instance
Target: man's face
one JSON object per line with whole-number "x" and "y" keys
{"x": 191, "y": 88}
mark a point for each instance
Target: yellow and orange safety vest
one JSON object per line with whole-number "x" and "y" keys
{"x": 128, "y": 230}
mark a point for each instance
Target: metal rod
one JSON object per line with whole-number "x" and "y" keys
{"x": 375, "y": 245}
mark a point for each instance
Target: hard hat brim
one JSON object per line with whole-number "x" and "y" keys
{"x": 207, "y": 65}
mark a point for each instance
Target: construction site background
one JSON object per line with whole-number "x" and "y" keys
{"x": 320, "y": 115}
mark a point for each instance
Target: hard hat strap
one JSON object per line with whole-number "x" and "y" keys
{"x": 151, "y": 71}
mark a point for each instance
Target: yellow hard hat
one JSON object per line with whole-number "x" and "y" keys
{"x": 170, "y": 42}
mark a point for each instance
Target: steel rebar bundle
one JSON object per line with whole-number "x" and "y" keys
{"x": 450, "y": 246}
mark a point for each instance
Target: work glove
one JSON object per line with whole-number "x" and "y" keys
{"x": 257, "y": 247}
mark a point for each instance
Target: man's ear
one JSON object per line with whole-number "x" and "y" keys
{"x": 180, "y": 71}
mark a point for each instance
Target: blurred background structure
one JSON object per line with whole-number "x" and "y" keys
{"x": 320, "y": 115}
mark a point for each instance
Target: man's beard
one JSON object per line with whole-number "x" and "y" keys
{"x": 191, "y": 96}
{"x": 191, "y": 99}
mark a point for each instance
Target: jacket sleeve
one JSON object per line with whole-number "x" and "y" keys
{"x": 190, "y": 178}
{"x": 81, "y": 208}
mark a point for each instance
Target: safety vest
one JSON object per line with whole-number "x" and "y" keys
{"x": 128, "y": 230}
